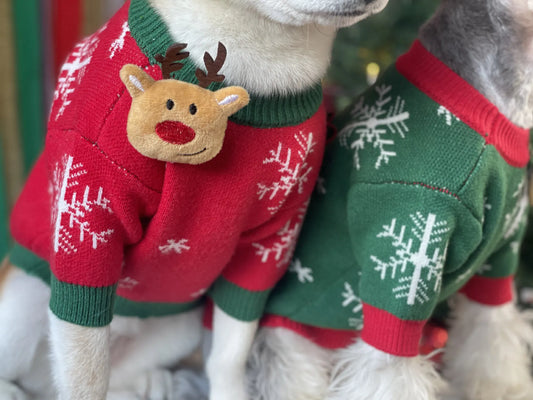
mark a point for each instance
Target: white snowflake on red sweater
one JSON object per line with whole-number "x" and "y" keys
{"x": 118, "y": 44}
{"x": 293, "y": 168}
{"x": 171, "y": 246}
{"x": 281, "y": 250}
{"x": 72, "y": 72}
{"x": 73, "y": 216}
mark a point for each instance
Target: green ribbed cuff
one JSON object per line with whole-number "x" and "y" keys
{"x": 129, "y": 308}
{"x": 30, "y": 262}
{"x": 82, "y": 305}
{"x": 245, "y": 305}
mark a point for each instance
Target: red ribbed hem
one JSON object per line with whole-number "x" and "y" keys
{"x": 323, "y": 337}
{"x": 489, "y": 291}
{"x": 444, "y": 86}
{"x": 390, "y": 334}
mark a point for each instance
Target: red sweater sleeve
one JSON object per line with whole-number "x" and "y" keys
{"x": 96, "y": 211}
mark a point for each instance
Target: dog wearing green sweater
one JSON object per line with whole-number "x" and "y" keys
{"x": 423, "y": 195}
{"x": 122, "y": 248}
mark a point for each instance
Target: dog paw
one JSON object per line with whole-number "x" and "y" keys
{"x": 190, "y": 385}
{"x": 158, "y": 385}
{"x": 9, "y": 391}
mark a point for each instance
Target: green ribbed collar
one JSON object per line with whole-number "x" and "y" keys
{"x": 153, "y": 37}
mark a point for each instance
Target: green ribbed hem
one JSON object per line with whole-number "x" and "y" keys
{"x": 153, "y": 37}
{"x": 129, "y": 308}
{"x": 242, "y": 304}
{"x": 29, "y": 262}
{"x": 82, "y": 305}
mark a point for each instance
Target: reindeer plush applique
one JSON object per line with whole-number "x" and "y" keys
{"x": 176, "y": 121}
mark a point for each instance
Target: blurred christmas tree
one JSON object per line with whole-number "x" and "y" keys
{"x": 370, "y": 46}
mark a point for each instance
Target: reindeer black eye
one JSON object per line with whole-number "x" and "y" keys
{"x": 193, "y": 109}
{"x": 170, "y": 104}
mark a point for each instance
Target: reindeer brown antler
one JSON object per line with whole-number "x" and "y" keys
{"x": 212, "y": 67}
{"x": 170, "y": 61}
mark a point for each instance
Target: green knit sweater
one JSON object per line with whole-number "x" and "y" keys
{"x": 423, "y": 192}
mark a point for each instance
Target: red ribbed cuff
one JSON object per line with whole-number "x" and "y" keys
{"x": 489, "y": 291}
{"x": 389, "y": 333}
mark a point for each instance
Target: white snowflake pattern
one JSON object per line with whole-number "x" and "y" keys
{"x": 449, "y": 117}
{"x": 294, "y": 170}
{"x": 73, "y": 70}
{"x": 305, "y": 274}
{"x": 118, "y": 44}
{"x": 409, "y": 263}
{"x": 65, "y": 177}
{"x": 517, "y": 216}
{"x": 175, "y": 247}
{"x": 321, "y": 186}
{"x": 350, "y": 299}
{"x": 127, "y": 283}
{"x": 282, "y": 250}
{"x": 375, "y": 125}
{"x": 515, "y": 246}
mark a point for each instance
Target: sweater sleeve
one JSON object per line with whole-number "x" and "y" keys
{"x": 407, "y": 239}
{"x": 96, "y": 211}
{"x": 260, "y": 260}
{"x": 493, "y": 283}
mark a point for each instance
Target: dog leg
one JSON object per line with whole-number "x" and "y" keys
{"x": 286, "y": 366}
{"x": 226, "y": 365}
{"x": 487, "y": 355}
{"x": 23, "y": 324}
{"x": 80, "y": 360}
{"x": 362, "y": 372}
{"x": 142, "y": 349}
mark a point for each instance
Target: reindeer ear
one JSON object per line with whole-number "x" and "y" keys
{"x": 232, "y": 99}
{"x": 136, "y": 80}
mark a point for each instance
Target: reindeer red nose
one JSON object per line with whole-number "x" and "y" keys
{"x": 174, "y": 132}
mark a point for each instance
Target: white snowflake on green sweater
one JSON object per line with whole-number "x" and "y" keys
{"x": 304, "y": 274}
{"x": 376, "y": 124}
{"x": 518, "y": 215}
{"x": 448, "y": 116}
{"x": 415, "y": 269}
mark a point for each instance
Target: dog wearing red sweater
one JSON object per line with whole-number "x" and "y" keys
{"x": 102, "y": 230}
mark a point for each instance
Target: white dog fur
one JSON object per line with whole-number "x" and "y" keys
{"x": 488, "y": 356}
{"x": 293, "y": 40}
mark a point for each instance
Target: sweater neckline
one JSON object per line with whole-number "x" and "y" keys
{"x": 444, "y": 86}
{"x": 153, "y": 37}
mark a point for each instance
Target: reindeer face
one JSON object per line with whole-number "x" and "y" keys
{"x": 176, "y": 121}
{"x": 324, "y": 12}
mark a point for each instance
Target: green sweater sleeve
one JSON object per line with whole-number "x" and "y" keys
{"x": 407, "y": 239}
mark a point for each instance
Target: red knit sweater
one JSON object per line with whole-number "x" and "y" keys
{"x": 104, "y": 216}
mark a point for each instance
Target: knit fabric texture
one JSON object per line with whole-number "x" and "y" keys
{"x": 422, "y": 194}
{"x": 161, "y": 236}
